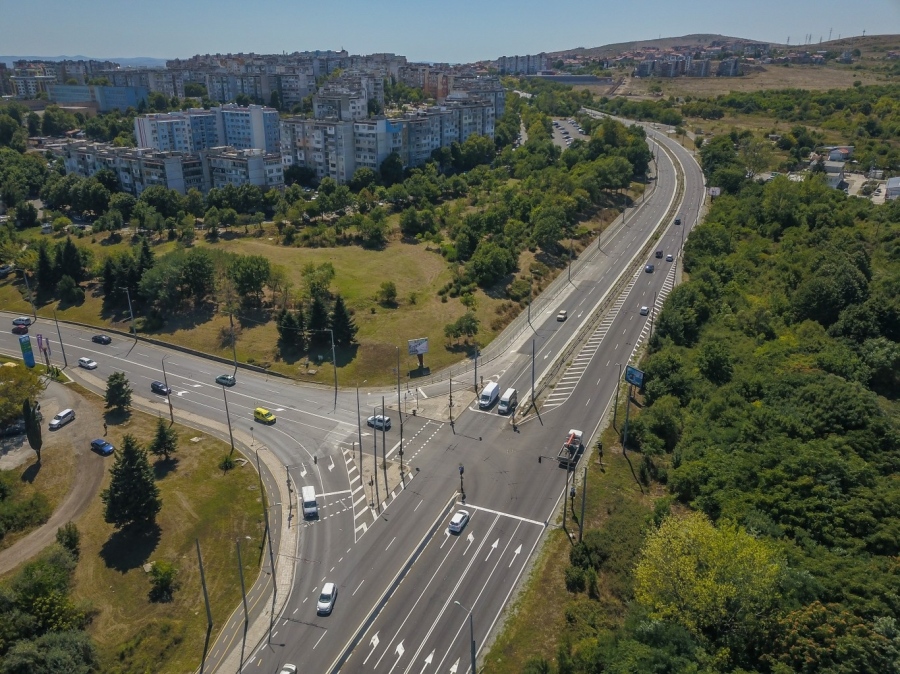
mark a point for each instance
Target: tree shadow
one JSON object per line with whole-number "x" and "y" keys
{"x": 116, "y": 417}
{"x": 31, "y": 473}
{"x": 131, "y": 547}
{"x": 162, "y": 467}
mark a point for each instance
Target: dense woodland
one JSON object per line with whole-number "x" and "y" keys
{"x": 770, "y": 416}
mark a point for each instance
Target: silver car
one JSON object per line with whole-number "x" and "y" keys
{"x": 325, "y": 605}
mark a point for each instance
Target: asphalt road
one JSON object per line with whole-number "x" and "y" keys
{"x": 404, "y": 554}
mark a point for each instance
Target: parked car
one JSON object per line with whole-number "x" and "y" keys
{"x": 325, "y": 605}
{"x": 20, "y": 330}
{"x": 378, "y": 421}
{"x": 562, "y": 315}
{"x": 226, "y": 380}
{"x": 87, "y": 364}
{"x": 160, "y": 388}
{"x": 22, "y": 320}
{"x": 102, "y": 447}
{"x": 263, "y": 415}
{"x": 458, "y": 523}
{"x": 62, "y": 419}
{"x": 101, "y": 339}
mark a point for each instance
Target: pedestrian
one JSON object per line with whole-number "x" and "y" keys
{"x": 104, "y": 429}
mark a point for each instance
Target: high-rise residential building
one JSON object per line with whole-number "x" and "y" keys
{"x": 522, "y": 65}
{"x": 244, "y": 128}
{"x": 374, "y": 140}
{"x": 325, "y": 146}
{"x": 230, "y": 166}
{"x": 103, "y": 98}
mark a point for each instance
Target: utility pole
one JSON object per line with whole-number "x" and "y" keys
{"x": 627, "y": 411}
{"x": 451, "y": 398}
{"x": 169, "y": 394}
{"x": 334, "y": 363}
{"x": 533, "y": 392}
{"x": 61, "y": 345}
{"x": 359, "y": 427}
{"x": 375, "y": 461}
{"x": 618, "y": 386}
{"x": 384, "y": 447}
{"x": 228, "y": 419}
{"x": 233, "y": 343}
{"x": 652, "y": 314}
{"x": 471, "y": 636}
{"x": 583, "y": 499}
{"x": 476, "y": 368}
{"x": 400, "y": 413}
{"x": 131, "y": 313}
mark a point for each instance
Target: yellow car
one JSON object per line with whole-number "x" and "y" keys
{"x": 263, "y": 415}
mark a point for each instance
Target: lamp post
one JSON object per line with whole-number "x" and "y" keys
{"x": 61, "y": 345}
{"x": 130, "y": 310}
{"x": 618, "y": 385}
{"x": 228, "y": 419}
{"x": 471, "y": 635}
{"x": 169, "y": 395}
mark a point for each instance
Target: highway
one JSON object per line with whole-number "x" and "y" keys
{"x": 398, "y": 571}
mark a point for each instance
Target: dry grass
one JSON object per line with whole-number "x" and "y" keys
{"x": 199, "y": 503}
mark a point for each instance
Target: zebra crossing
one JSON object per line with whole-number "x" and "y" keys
{"x": 579, "y": 365}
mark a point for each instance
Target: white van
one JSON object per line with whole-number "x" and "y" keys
{"x": 508, "y": 401}
{"x": 308, "y": 502}
{"x": 489, "y": 395}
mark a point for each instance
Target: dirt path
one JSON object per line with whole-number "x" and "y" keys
{"x": 89, "y": 469}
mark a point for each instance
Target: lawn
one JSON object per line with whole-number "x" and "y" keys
{"x": 417, "y": 269}
{"x": 199, "y": 503}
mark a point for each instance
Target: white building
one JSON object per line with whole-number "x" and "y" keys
{"x": 892, "y": 188}
{"x": 229, "y": 166}
{"x": 253, "y": 127}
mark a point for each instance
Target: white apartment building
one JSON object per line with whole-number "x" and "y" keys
{"x": 253, "y": 127}
{"x": 326, "y": 146}
{"x": 374, "y": 140}
{"x": 229, "y": 166}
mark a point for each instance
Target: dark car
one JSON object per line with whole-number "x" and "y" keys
{"x": 20, "y": 330}
{"x": 159, "y": 387}
{"x": 677, "y": 221}
{"x": 649, "y": 268}
{"x": 101, "y": 339}
{"x": 101, "y": 446}
{"x": 6, "y": 270}
{"x": 226, "y": 380}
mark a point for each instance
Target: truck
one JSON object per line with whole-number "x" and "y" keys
{"x": 308, "y": 502}
{"x": 571, "y": 449}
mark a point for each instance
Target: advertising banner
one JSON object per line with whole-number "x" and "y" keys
{"x": 417, "y": 347}
{"x": 27, "y": 353}
{"x": 634, "y": 376}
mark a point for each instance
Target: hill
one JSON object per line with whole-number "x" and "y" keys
{"x": 131, "y": 62}
{"x": 704, "y": 39}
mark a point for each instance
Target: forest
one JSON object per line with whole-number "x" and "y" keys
{"x": 770, "y": 419}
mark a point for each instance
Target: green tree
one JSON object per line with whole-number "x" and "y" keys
{"x": 26, "y": 215}
{"x": 165, "y": 440}
{"x": 362, "y": 178}
{"x": 714, "y": 362}
{"x": 318, "y": 318}
{"x": 713, "y": 581}
{"x": 118, "y": 392}
{"x": 70, "y": 651}
{"x": 249, "y": 273}
{"x": 490, "y": 263}
{"x": 132, "y": 497}
{"x": 69, "y": 537}
{"x": 391, "y": 170}
{"x": 342, "y": 324}
{"x": 163, "y": 581}
{"x": 32, "y": 427}
{"x": 387, "y": 293}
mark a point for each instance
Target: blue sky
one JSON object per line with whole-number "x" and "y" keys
{"x": 423, "y": 30}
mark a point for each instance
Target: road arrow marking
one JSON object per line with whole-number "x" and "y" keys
{"x": 516, "y": 554}
{"x": 180, "y": 393}
{"x": 303, "y": 470}
{"x": 428, "y": 660}
{"x": 493, "y": 547}
{"x": 196, "y": 385}
{"x": 279, "y": 409}
{"x": 399, "y": 651}
{"x": 373, "y": 642}
{"x": 471, "y": 539}
{"x": 331, "y": 467}
{"x": 453, "y": 668}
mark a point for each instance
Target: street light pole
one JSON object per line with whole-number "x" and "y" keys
{"x": 228, "y": 419}
{"x": 334, "y": 364}
{"x": 233, "y": 343}
{"x": 169, "y": 395}
{"x": 400, "y": 413}
{"x": 618, "y": 386}
{"x": 61, "y": 345}
{"x": 359, "y": 426}
{"x": 471, "y": 635}
{"x": 375, "y": 460}
{"x": 130, "y": 311}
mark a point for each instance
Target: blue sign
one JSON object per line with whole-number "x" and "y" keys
{"x": 27, "y": 353}
{"x": 634, "y": 376}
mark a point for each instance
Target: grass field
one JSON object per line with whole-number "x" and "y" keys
{"x": 199, "y": 503}
{"x": 545, "y": 611}
{"x": 417, "y": 269}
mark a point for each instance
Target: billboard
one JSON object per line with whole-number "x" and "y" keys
{"x": 27, "y": 353}
{"x": 715, "y": 191}
{"x": 418, "y": 347}
{"x": 634, "y": 376}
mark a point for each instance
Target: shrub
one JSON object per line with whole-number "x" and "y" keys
{"x": 163, "y": 581}
{"x": 575, "y": 580}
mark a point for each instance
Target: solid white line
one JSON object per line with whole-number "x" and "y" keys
{"x": 502, "y": 514}
{"x": 422, "y": 393}
{"x": 390, "y": 544}
{"x": 358, "y": 586}
{"x": 320, "y": 639}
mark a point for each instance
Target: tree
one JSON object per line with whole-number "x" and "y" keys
{"x": 26, "y": 215}
{"x": 70, "y": 651}
{"x": 132, "y": 497}
{"x": 165, "y": 441}
{"x": 163, "y": 581}
{"x": 118, "y": 392}
{"x": 318, "y": 318}
{"x": 548, "y": 229}
{"x": 713, "y": 581}
{"x": 490, "y": 263}
{"x": 16, "y": 385}
{"x": 342, "y": 324}
{"x": 362, "y": 178}
{"x": 391, "y": 170}
{"x": 714, "y": 363}
{"x": 249, "y": 274}
{"x": 69, "y": 537}
{"x": 32, "y": 427}
{"x": 387, "y": 293}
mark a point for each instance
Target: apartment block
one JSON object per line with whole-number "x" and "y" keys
{"x": 340, "y": 104}
{"x": 102, "y": 98}
{"x": 374, "y": 140}
{"x": 325, "y": 146}
{"x": 31, "y": 85}
{"x": 522, "y": 65}
{"x": 245, "y": 128}
{"x": 230, "y": 166}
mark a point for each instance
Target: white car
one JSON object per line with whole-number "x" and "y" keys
{"x": 87, "y": 364}
{"x": 22, "y": 320}
{"x": 289, "y": 669}
{"x": 645, "y": 311}
{"x": 379, "y": 421}
{"x": 326, "y": 599}
{"x": 458, "y": 523}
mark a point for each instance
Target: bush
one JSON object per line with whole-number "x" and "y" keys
{"x": 69, "y": 291}
{"x": 163, "y": 581}
{"x": 69, "y": 537}
{"x": 575, "y": 580}
{"x": 226, "y": 464}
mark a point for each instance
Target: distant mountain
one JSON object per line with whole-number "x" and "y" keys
{"x": 609, "y": 50}
{"x": 135, "y": 62}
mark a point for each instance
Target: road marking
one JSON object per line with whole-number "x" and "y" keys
{"x": 493, "y": 547}
{"x": 320, "y": 639}
{"x": 588, "y": 402}
{"x": 422, "y": 393}
{"x": 502, "y": 514}
{"x": 417, "y": 505}
{"x": 390, "y": 544}
{"x": 375, "y": 638}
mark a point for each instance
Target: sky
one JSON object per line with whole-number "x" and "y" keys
{"x": 456, "y": 31}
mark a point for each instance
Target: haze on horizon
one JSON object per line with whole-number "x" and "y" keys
{"x": 424, "y": 30}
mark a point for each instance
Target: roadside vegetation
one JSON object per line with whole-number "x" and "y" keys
{"x": 87, "y": 603}
{"x": 768, "y": 436}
